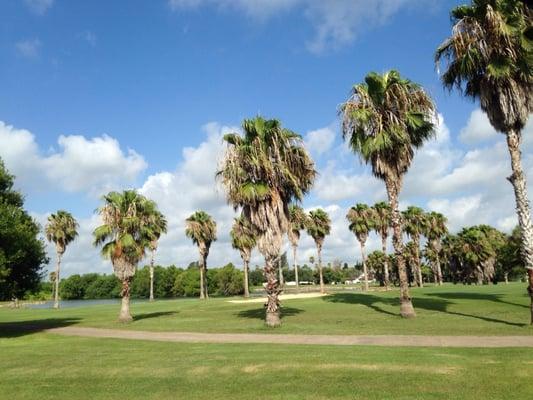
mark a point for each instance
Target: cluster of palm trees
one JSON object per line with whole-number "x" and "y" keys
{"x": 267, "y": 171}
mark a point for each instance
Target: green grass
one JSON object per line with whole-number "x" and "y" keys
{"x": 448, "y": 310}
{"x": 37, "y": 365}
{"x": 43, "y": 366}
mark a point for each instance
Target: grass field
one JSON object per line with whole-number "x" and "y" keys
{"x": 37, "y": 365}
{"x": 447, "y": 310}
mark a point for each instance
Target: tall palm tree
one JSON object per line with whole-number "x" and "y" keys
{"x": 415, "y": 225}
{"x": 435, "y": 230}
{"x": 125, "y": 235}
{"x": 61, "y": 230}
{"x": 489, "y": 56}
{"x": 202, "y": 229}
{"x": 385, "y": 120}
{"x": 318, "y": 226}
{"x": 263, "y": 172}
{"x": 243, "y": 239}
{"x": 381, "y": 225}
{"x": 361, "y": 219}
{"x": 158, "y": 226}
{"x": 297, "y": 222}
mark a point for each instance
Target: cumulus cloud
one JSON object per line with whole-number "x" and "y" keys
{"x": 39, "y": 7}
{"x": 92, "y": 165}
{"x": 336, "y": 22}
{"x": 320, "y": 140}
{"x": 477, "y": 129}
{"x": 28, "y": 48}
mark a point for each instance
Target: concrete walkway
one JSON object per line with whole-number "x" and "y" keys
{"x": 340, "y": 340}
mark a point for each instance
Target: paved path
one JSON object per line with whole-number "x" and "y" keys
{"x": 342, "y": 340}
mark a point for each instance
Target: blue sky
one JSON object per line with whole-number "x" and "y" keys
{"x": 126, "y": 86}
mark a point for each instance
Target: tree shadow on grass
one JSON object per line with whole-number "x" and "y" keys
{"x": 497, "y": 298}
{"x": 259, "y": 313}
{"x": 22, "y": 328}
{"x": 431, "y": 304}
{"x": 158, "y": 314}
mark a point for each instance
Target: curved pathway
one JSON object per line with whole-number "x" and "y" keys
{"x": 341, "y": 340}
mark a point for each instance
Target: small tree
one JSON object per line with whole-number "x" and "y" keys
{"x": 202, "y": 229}
{"x": 318, "y": 227}
{"x": 297, "y": 222}
{"x": 61, "y": 229}
{"x": 244, "y": 240}
{"x": 361, "y": 219}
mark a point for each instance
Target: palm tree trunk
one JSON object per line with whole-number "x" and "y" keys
{"x": 518, "y": 180}
{"x": 386, "y": 262}
{"x": 125, "y": 315}
{"x": 406, "y": 306}
{"x": 319, "y": 251}
{"x": 202, "y": 281}
{"x": 420, "y": 282}
{"x": 294, "y": 248}
{"x": 206, "y": 289}
{"x": 56, "y": 283}
{"x": 439, "y": 270}
{"x": 273, "y": 317}
{"x": 280, "y": 271}
{"x": 365, "y": 271}
{"x": 152, "y": 277}
{"x": 246, "y": 288}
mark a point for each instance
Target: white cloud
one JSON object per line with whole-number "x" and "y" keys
{"x": 80, "y": 165}
{"x": 320, "y": 140}
{"x": 29, "y": 48}
{"x": 89, "y": 37}
{"x": 336, "y": 22}
{"x": 39, "y": 7}
{"x": 477, "y": 129}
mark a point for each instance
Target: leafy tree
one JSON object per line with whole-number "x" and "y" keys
{"x": 61, "y": 229}
{"x": 297, "y": 222}
{"x": 229, "y": 281}
{"x": 243, "y": 239}
{"x": 318, "y": 227}
{"x": 72, "y": 288}
{"x": 263, "y": 172}
{"x": 510, "y": 261}
{"x": 22, "y": 253}
{"x": 257, "y": 276}
{"x": 361, "y": 219}
{"x": 414, "y": 225}
{"x": 489, "y": 56}
{"x": 381, "y": 224}
{"x": 124, "y": 235}
{"x": 202, "y": 229}
{"x": 385, "y": 120}
{"x": 376, "y": 262}
{"x": 187, "y": 283}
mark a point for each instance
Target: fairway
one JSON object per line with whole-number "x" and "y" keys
{"x": 47, "y": 366}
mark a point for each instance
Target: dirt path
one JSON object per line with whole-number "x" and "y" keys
{"x": 342, "y": 340}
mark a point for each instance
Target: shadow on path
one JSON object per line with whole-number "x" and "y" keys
{"x": 259, "y": 313}
{"x": 439, "y": 304}
{"x": 22, "y": 328}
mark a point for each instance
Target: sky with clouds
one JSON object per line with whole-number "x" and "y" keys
{"x": 100, "y": 96}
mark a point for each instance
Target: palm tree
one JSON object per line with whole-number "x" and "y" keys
{"x": 158, "y": 226}
{"x": 385, "y": 120}
{"x": 435, "y": 230}
{"x": 263, "y": 172}
{"x": 490, "y": 57}
{"x": 381, "y": 225}
{"x": 124, "y": 235}
{"x": 297, "y": 222}
{"x": 61, "y": 230}
{"x": 361, "y": 219}
{"x": 202, "y": 229}
{"x": 410, "y": 254}
{"x": 318, "y": 226}
{"x": 244, "y": 240}
{"x": 415, "y": 225}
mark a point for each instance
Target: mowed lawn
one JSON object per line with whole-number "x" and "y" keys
{"x": 448, "y": 310}
{"x": 39, "y": 365}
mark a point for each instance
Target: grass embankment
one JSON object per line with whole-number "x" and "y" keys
{"x": 447, "y": 310}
